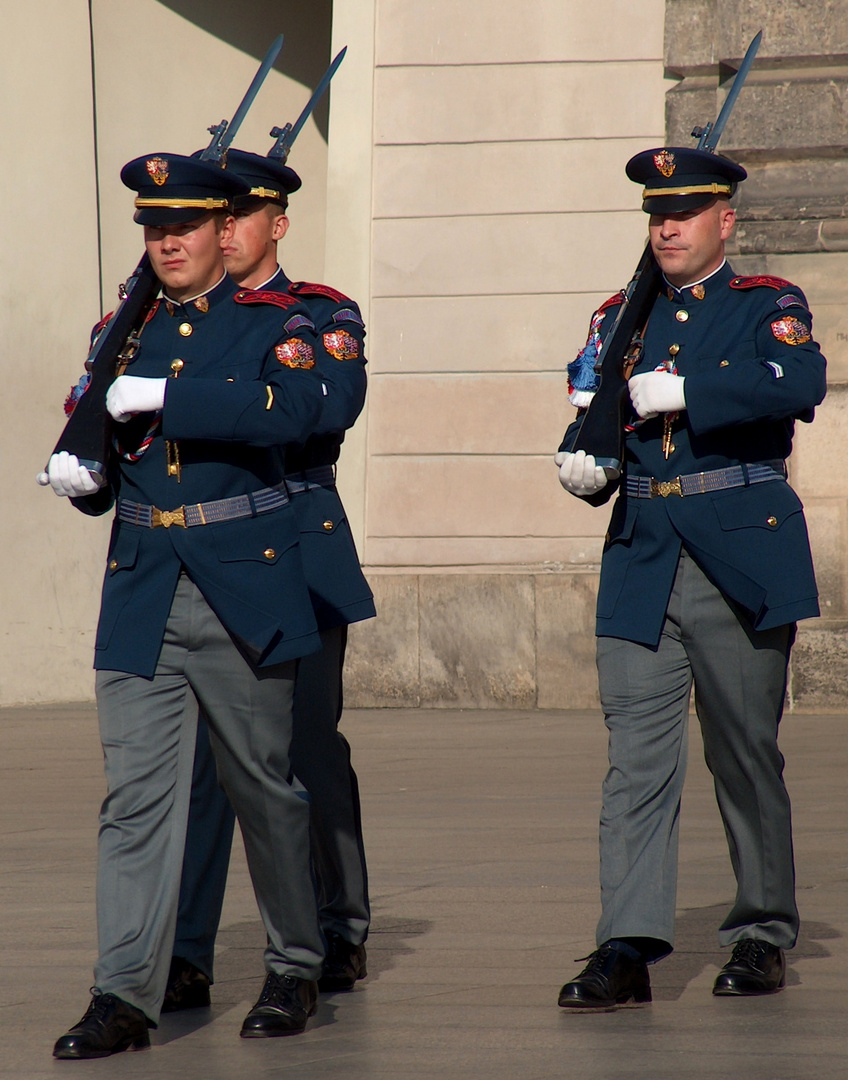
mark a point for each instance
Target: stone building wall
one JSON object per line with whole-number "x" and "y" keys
{"x": 487, "y": 251}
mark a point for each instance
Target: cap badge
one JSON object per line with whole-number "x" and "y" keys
{"x": 158, "y": 170}
{"x": 665, "y": 162}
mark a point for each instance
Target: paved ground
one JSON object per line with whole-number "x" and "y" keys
{"x": 481, "y": 832}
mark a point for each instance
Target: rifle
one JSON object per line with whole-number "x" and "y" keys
{"x": 88, "y": 432}
{"x": 286, "y": 135}
{"x": 601, "y": 432}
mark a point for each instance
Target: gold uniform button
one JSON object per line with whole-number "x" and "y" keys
{"x": 673, "y": 350}
{"x": 269, "y": 553}
{"x": 186, "y": 329}
{"x": 113, "y": 565}
{"x": 681, "y": 315}
{"x": 177, "y": 365}
{"x": 771, "y": 521}
{"x": 328, "y": 525}
{"x": 724, "y": 363}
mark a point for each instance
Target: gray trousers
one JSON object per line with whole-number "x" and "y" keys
{"x": 148, "y": 729}
{"x": 320, "y": 757}
{"x": 740, "y": 681}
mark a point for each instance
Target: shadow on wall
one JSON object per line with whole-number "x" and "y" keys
{"x": 307, "y": 29}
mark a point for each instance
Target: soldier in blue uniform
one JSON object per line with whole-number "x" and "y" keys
{"x": 204, "y": 604}
{"x": 706, "y": 568}
{"x": 340, "y": 596}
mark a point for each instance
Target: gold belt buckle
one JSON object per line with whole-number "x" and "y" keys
{"x": 666, "y": 487}
{"x": 167, "y": 518}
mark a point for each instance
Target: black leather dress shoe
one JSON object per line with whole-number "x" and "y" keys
{"x": 283, "y": 1008}
{"x": 109, "y": 1026}
{"x": 343, "y": 964}
{"x": 188, "y": 987}
{"x": 755, "y": 967}
{"x": 610, "y": 979}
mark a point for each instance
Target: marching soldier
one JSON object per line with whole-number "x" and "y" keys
{"x": 340, "y": 596}
{"x": 706, "y": 568}
{"x": 204, "y": 605}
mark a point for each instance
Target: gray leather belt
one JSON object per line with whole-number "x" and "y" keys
{"x": 205, "y": 513}
{"x": 648, "y": 487}
{"x": 308, "y": 479}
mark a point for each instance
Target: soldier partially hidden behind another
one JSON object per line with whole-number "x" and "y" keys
{"x": 706, "y": 569}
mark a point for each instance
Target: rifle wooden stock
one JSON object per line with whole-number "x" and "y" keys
{"x": 87, "y": 433}
{"x": 601, "y": 432}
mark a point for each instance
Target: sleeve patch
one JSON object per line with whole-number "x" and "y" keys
{"x": 776, "y": 368}
{"x": 790, "y": 300}
{"x": 347, "y": 314}
{"x": 295, "y": 353}
{"x": 791, "y": 331}
{"x": 310, "y": 288}
{"x": 296, "y": 322}
{"x": 341, "y": 345}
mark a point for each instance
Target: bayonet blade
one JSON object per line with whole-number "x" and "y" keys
{"x": 285, "y": 136}
{"x": 712, "y": 133}
{"x": 224, "y": 133}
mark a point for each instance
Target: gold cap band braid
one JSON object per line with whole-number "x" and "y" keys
{"x": 181, "y": 204}
{"x": 692, "y": 189}
{"x": 265, "y": 193}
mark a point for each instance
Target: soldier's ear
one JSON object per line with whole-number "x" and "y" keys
{"x": 227, "y": 229}
{"x": 280, "y": 227}
{"x": 727, "y": 220}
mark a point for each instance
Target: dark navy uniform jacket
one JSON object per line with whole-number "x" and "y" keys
{"x": 248, "y": 384}
{"x": 751, "y": 369}
{"x": 340, "y": 593}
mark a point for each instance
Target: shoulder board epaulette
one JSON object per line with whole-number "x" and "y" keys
{"x": 309, "y": 288}
{"x": 759, "y": 280}
{"x": 613, "y": 300}
{"x": 154, "y": 307}
{"x": 264, "y": 296}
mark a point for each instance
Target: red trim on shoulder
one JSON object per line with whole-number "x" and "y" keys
{"x": 613, "y": 300}
{"x": 264, "y": 296}
{"x": 309, "y": 288}
{"x": 153, "y": 309}
{"x": 760, "y": 279}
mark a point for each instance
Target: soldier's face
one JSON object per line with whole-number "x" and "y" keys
{"x": 250, "y": 254}
{"x": 690, "y": 246}
{"x": 187, "y": 258}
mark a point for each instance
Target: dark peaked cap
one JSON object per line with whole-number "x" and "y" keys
{"x": 268, "y": 179}
{"x": 173, "y": 189}
{"x": 680, "y": 178}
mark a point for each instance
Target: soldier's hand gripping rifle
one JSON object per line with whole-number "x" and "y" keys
{"x": 601, "y": 432}
{"x": 87, "y": 434}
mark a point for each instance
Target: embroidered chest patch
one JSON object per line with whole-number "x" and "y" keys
{"x": 295, "y": 353}
{"x": 791, "y": 331}
{"x": 341, "y": 345}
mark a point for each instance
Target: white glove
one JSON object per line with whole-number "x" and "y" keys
{"x": 655, "y": 392}
{"x": 130, "y": 394}
{"x": 579, "y": 474}
{"x": 67, "y": 477}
